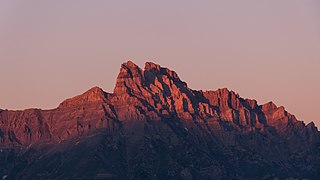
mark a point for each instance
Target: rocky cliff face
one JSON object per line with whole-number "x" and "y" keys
{"x": 154, "y": 127}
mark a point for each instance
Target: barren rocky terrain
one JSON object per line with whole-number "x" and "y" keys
{"x": 153, "y": 126}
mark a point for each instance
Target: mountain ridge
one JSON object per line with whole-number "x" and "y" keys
{"x": 175, "y": 99}
{"x": 154, "y": 110}
{"x": 148, "y": 66}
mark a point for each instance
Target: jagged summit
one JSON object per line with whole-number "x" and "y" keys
{"x": 161, "y": 88}
{"x": 132, "y": 77}
{"x": 153, "y": 126}
{"x": 151, "y": 65}
{"x": 158, "y": 92}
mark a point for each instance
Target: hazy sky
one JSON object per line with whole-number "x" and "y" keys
{"x": 266, "y": 50}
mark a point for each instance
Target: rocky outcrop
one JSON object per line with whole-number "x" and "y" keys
{"x": 94, "y": 95}
{"x": 152, "y": 115}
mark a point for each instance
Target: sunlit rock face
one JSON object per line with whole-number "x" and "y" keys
{"x": 153, "y": 126}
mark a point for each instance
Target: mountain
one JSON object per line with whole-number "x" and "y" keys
{"x": 153, "y": 126}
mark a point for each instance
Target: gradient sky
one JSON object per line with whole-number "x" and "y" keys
{"x": 266, "y": 50}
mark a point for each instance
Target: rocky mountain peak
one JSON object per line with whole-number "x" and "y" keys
{"x": 268, "y": 106}
{"x": 129, "y": 70}
{"x": 130, "y": 64}
{"x": 130, "y": 77}
{"x": 156, "y": 69}
{"x": 154, "y": 119}
{"x": 150, "y": 65}
{"x": 93, "y": 95}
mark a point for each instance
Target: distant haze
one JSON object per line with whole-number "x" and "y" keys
{"x": 267, "y": 50}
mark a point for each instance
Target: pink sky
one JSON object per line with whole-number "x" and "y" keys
{"x": 266, "y": 50}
